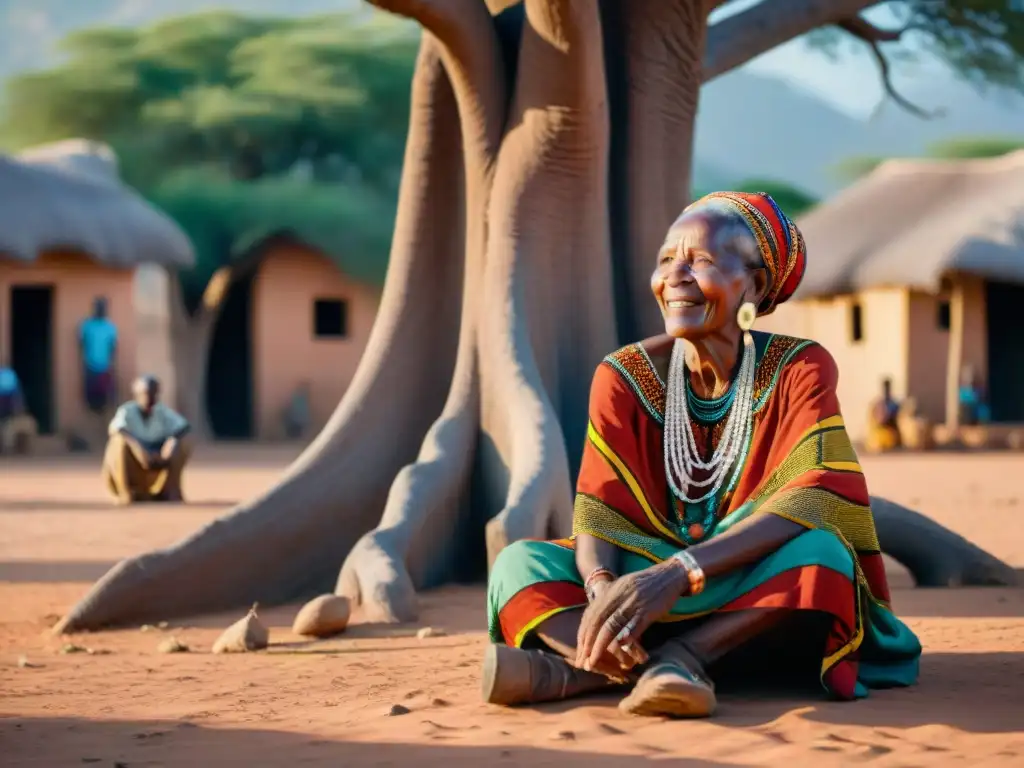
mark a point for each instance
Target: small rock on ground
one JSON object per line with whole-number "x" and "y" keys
{"x": 172, "y": 645}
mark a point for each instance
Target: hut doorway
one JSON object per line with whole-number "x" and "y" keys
{"x": 1005, "y": 351}
{"x": 31, "y": 326}
{"x": 229, "y": 377}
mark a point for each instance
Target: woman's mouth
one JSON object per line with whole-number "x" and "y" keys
{"x": 682, "y": 303}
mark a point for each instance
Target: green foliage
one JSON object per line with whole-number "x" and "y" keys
{"x": 792, "y": 200}
{"x": 963, "y": 148}
{"x": 213, "y": 114}
{"x": 854, "y": 168}
{"x": 981, "y": 40}
{"x": 225, "y": 217}
{"x": 252, "y": 94}
{"x": 976, "y": 147}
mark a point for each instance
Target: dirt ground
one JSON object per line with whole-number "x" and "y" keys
{"x": 330, "y": 703}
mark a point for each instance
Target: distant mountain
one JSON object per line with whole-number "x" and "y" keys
{"x": 765, "y": 127}
{"x": 749, "y": 125}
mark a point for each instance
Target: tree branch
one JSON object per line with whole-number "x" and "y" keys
{"x": 864, "y": 30}
{"x": 867, "y": 32}
{"x": 737, "y": 39}
{"x": 890, "y": 89}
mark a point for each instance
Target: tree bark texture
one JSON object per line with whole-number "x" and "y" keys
{"x": 548, "y": 152}
{"x": 190, "y": 347}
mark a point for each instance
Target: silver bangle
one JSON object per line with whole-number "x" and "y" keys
{"x": 688, "y": 561}
{"x": 694, "y": 572}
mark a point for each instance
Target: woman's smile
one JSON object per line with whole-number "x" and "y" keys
{"x": 684, "y": 303}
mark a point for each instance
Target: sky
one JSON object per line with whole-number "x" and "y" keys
{"x": 851, "y": 84}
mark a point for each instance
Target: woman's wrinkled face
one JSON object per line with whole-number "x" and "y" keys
{"x": 702, "y": 274}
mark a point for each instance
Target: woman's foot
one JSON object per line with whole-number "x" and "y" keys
{"x": 516, "y": 676}
{"x": 672, "y": 687}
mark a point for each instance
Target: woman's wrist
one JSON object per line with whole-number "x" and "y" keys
{"x": 596, "y": 580}
{"x": 689, "y": 572}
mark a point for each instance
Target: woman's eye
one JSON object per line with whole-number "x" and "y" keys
{"x": 704, "y": 261}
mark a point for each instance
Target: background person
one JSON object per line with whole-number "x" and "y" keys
{"x": 97, "y": 342}
{"x": 17, "y": 427}
{"x": 147, "y": 448}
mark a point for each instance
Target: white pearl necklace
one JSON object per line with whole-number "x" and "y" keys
{"x": 681, "y": 454}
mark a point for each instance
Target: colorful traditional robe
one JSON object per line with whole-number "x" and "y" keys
{"x": 799, "y": 465}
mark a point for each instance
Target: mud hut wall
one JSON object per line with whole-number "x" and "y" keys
{"x": 287, "y": 350}
{"x": 881, "y": 351}
{"x": 76, "y": 280}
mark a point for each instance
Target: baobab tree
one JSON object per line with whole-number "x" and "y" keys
{"x": 549, "y": 147}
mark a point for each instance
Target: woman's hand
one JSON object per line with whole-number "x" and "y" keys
{"x": 633, "y": 603}
{"x": 607, "y": 665}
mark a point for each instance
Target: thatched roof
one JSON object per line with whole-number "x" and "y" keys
{"x": 69, "y": 196}
{"x": 911, "y": 221}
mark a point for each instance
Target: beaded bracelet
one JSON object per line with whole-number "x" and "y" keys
{"x": 694, "y": 572}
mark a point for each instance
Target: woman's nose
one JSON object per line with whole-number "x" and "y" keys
{"x": 679, "y": 273}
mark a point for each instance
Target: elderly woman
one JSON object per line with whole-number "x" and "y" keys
{"x": 720, "y": 503}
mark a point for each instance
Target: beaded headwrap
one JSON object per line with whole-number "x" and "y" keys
{"x": 778, "y": 239}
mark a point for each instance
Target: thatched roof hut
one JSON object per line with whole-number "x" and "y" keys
{"x": 915, "y": 273}
{"x": 70, "y": 232}
{"x": 911, "y": 221}
{"x": 68, "y": 197}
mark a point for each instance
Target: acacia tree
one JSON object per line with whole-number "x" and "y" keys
{"x": 548, "y": 150}
{"x": 207, "y": 113}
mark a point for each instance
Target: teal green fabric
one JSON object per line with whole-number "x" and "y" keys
{"x": 525, "y": 563}
{"x": 889, "y": 654}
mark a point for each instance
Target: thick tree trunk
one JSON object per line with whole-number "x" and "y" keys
{"x": 548, "y": 286}
{"x": 662, "y": 45}
{"x": 190, "y": 350}
{"x": 491, "y": 323}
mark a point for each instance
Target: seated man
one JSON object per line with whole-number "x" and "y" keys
{"x": 883, "y": 430}
{"x": 147, "y": 449}
{"x": 17, "y": 427}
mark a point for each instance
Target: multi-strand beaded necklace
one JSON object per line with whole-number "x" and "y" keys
{"x": 682, "y": 455}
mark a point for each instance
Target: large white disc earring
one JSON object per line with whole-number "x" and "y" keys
{"x": 745, "y": 318}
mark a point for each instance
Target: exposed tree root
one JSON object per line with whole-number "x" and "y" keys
{"x": 548, "y": 286}
{"x": 294, "y": 537}
{"x": 426, "y": 499}
{"x": 935, "y": 555}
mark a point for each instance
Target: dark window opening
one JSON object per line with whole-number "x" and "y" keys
{"x": 330, "y": 319}
{"x": 942, "y": 318}
{"x": 856, "y": 322}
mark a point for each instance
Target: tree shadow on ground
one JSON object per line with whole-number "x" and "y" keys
{"x": 75, "y": 741}
{"x": 53, "y": 571}
{"x": 107, "y": 505}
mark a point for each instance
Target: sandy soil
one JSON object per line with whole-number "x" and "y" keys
{"x": 330, "y": 702}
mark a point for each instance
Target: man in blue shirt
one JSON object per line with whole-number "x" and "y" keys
{"x": 97, "y": 340}
{"x": 17, "y": 427}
